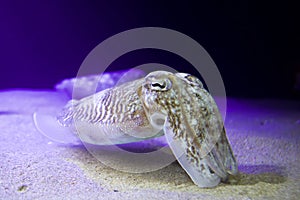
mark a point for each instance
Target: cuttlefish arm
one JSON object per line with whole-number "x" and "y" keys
{"x": 207, "y": 158}
{"x": 192, "y": 125}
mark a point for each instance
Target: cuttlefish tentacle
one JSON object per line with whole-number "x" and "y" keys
{"x": 175, "y": 103}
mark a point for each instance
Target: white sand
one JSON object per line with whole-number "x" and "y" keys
{"x": 33, "y": 167}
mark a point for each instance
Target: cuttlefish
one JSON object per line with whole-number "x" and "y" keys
{"x": 173, "y": 104}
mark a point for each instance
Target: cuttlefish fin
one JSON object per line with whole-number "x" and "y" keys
{"x": 83, "y": 86}
{"x": 48, "y": 125}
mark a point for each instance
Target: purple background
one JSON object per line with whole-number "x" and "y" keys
{"x": 255, "y": 45}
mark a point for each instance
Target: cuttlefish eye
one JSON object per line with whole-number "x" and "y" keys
{"x": 161, "y": 85}
{"x": 190, "y": 79}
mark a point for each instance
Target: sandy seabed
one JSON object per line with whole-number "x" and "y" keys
{"x": 265, "y": 137}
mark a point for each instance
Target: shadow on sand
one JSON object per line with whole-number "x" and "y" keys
{"x": 252, "y": 174}
{"x": 248, "y": 174}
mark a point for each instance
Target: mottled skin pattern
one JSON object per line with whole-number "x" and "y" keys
{"x": 193, "y": 119}
{"x": 176, "y": 103}
{"x": 116, "y": 112}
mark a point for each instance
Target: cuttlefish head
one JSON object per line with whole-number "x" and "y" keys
{"x": 154, "y": 93}
{"x": 193, "y": 127}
